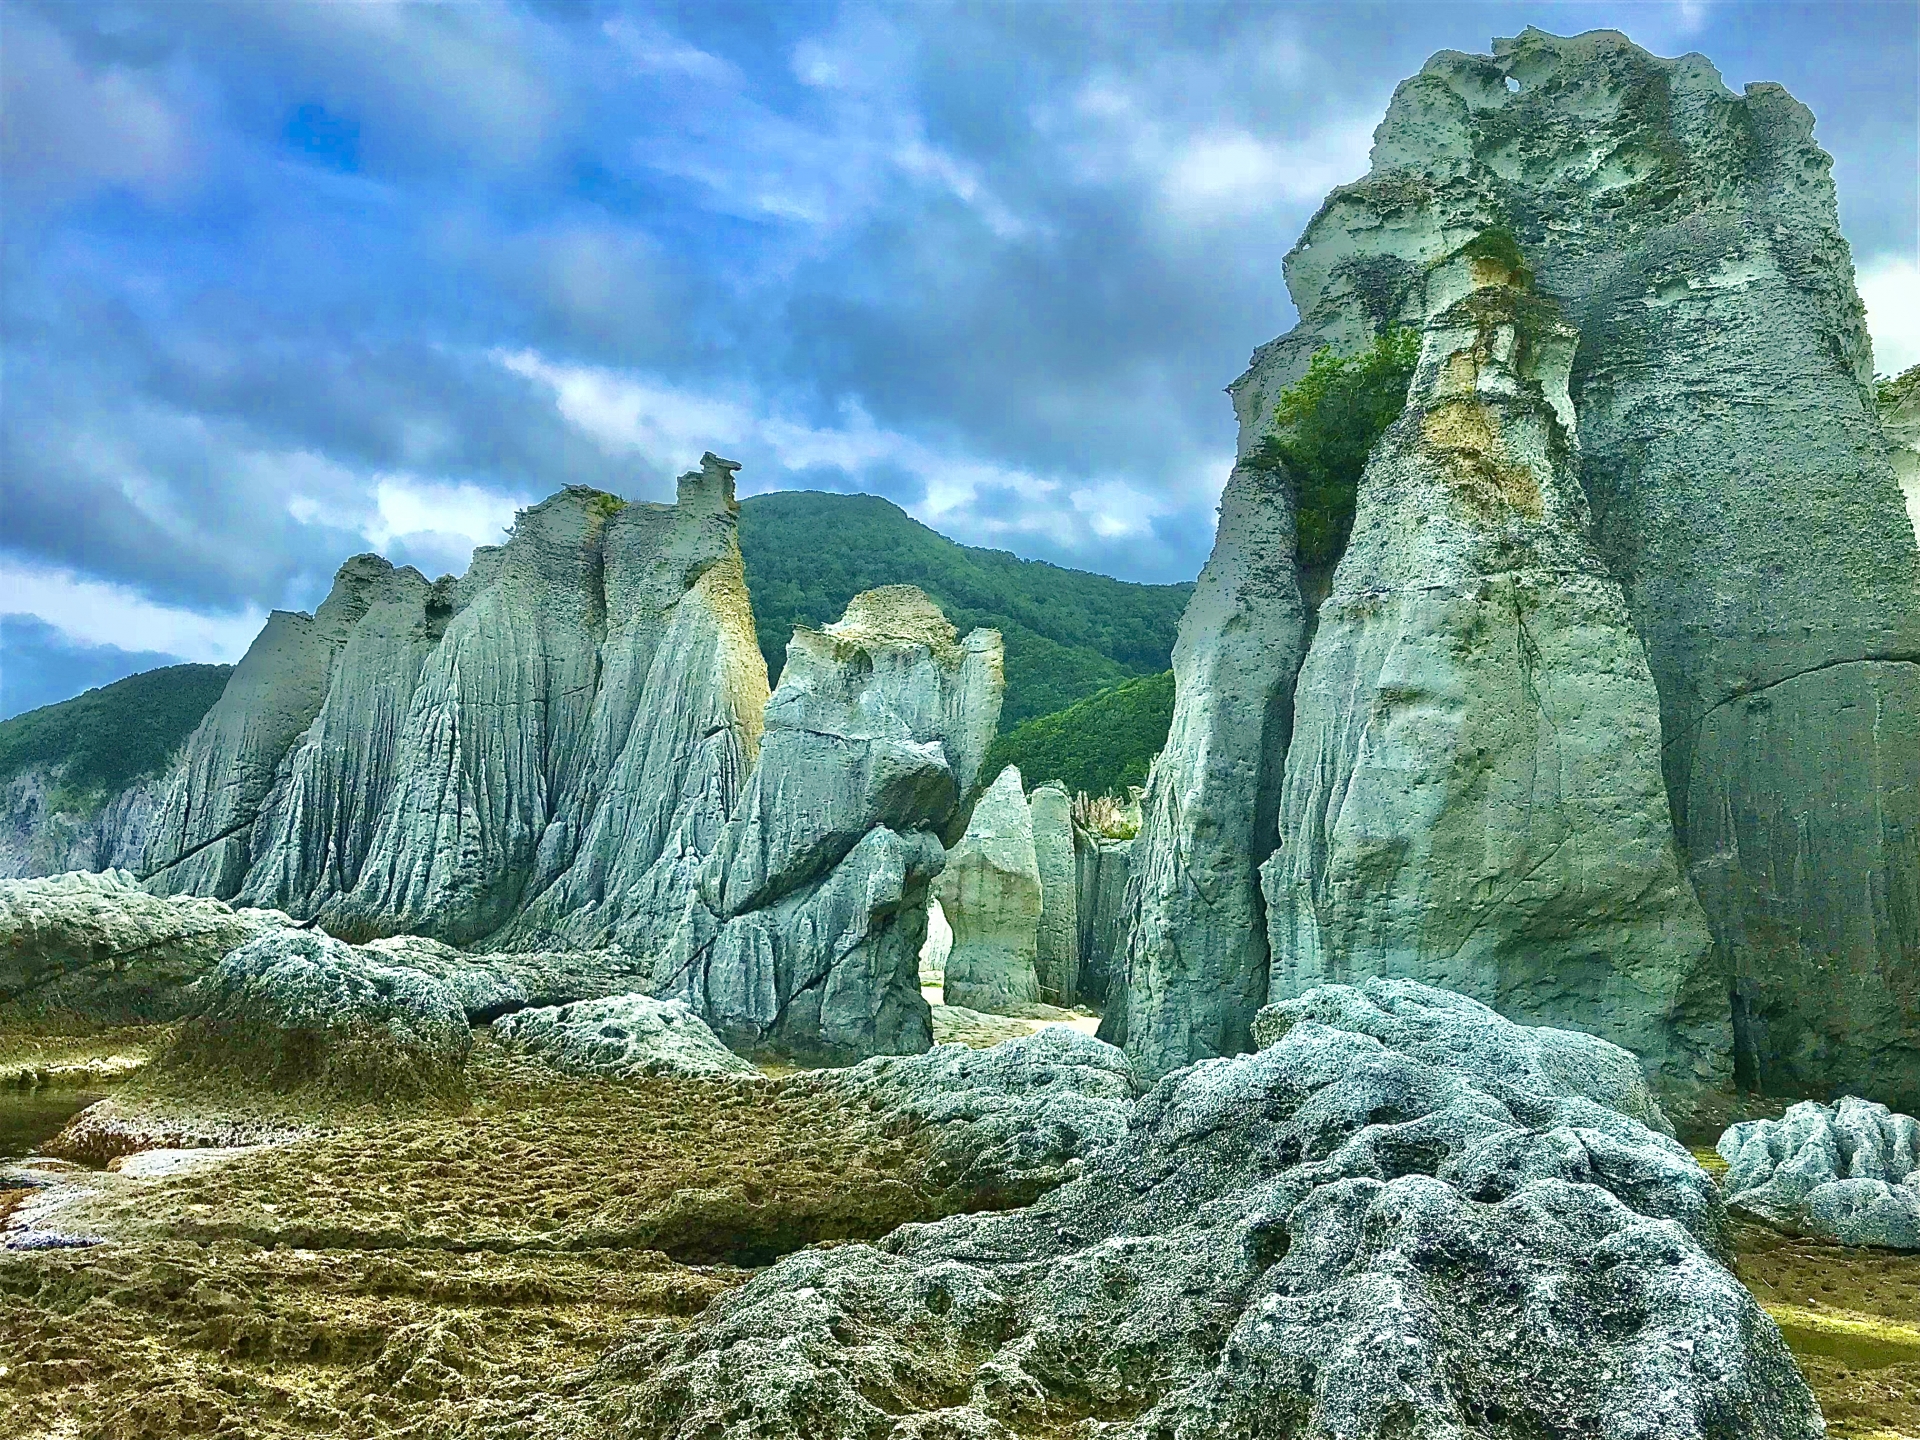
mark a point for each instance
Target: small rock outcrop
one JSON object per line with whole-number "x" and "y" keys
{"x": 299, "y": 1013}
{"x": 990, "y": 891}
{"x": 1196, "y": 963}
{"x": 1008, "y": 1123}
{"x": 625, "y": 1037}
{"x": 1473, "y": 795}
{"x": 1056, "y": 959}
{"x": 498, "y": 983}
{"x": 1328, "y": 1237}
{"x": 1848, "y": 1172}
{"x": 85, "y": 951}
{"x": 805, "y": 932}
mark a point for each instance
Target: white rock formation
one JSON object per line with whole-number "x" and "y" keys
{"x": 991, "y": 893}
{"x": 1848, "y": 1172}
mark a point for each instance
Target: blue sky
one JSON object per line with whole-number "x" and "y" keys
{"x": 288, "y": 281}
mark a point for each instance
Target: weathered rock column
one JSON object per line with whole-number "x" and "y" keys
{"x": 1057, "y": 946}
{"x": 1473, "y": 796}
{"x": 991, "y": 893}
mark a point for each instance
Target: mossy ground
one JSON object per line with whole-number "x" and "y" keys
{"x": 438, "y": 1274}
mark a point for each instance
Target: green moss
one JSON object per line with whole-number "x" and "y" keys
{"x": 1101, "y": 745}
{"x": 110, "y": 737}
{"x": 1498, "y": 244}
{"x": 1326, "y": 426}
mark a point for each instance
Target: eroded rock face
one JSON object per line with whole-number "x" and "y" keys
{"x": 537, "y": 756}
{"x": 296, "y": 1011}
{"x": 1196, "y": 961}
{"x": 1102, "y": 868}
{"x": 1848, "y": 1172}
{"x": 1056, "y": 959}
{"x": 806, "y": 930}
{"x": 1899, "y": 403}
{"x": 1473, "y": 795}
{"x": 82, "y": 951}
{"x": 623, "y": 1036}
{"x": 1722, "y": 388}
{"x": 991, "y": 893}
{"x": 39, "y": 838}
{"x": 1327, "y": 1237}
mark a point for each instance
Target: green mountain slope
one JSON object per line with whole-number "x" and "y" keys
{"x": 1068, "y": 633}
{"x": 110, "y": 737}
{"x": 1101, "y": 745}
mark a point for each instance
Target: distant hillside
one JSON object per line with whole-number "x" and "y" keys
{"x": 1101, "y": 745}
{"x": 112, "y": 736}
{"x": 1069, "y": 633}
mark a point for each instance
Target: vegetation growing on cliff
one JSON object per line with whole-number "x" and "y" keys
{"x": 1100, "y": 746}
{"x": 1068, "y": 633}
{"x": 110, "y": 737}
{"x": 1326, "y": 426}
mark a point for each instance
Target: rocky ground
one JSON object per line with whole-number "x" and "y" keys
{"x": 459, "y": 1273}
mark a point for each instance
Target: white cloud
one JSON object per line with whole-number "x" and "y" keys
{"x": 626, "y": 413}
{"x": 1890, "y": 289}
{"x": 92, "y": 612}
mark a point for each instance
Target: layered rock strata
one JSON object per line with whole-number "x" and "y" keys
{"x": 1056, "y": 958}
{"x": 536, "y": 756}
{"x": 1848, "y": 1172}
{"x": 804, "y": 934}
{"x": 1328, "y": 1237}
{"x": 991, "y": 893}
{"x": 1722, "y": 393}
{"x": 1473, "y": 795}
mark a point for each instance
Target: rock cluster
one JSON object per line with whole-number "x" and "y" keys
{"x": 1322, "y": 1237}
{"x": 537, "y": 754}
{"x": 624, "y": 1037}
{"x": 1848, "y": 1172}
{"x": 1720, "y": 386}
{"x": 298, "y": 1012}
{"x": 804, "y": 933}
{"x": 991, "y": 893}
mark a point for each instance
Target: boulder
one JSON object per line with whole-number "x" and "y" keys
{"x": 1442, "y": 1028}
{"x": 625, "y": 1037}
{"x": 84, "y": 951}
{"x": 990, "y": 891}
{"x": 1005, "y": 1124}
{"x": 805, "y": 933}
{"x": 487, "y": 986}
{"x": 1102, "y": 867}
{"x": 1723, "y": 390}
{"x": 298, "y": 1012}
{"x": 1329, "y": 1237}
{"x": 1848, "y": 1172}
{"x": 1056, "y": 958}
{"x": 1473, "y": 795}
{"x": 1196, "y": 960}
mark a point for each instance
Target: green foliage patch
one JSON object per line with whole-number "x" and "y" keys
{"x": 1327, "y": 424}
{"x": 1068, "y": 633}
{"x": 114, "y": 735}
{"x": 1101, "y": 745}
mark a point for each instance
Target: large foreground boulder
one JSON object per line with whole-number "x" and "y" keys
{"x": 1848, "y": 1172}
{"x": 1329, "y": 1237}
{"x": 299, "y": 1013}
{"x": 991, "y": 893}
{"x": 625, "y": 1037}
{"x": 804, "y": 935}
{"x": 83, "y": 951}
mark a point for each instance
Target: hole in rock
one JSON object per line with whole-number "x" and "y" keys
{"x": 1513, "y": 86}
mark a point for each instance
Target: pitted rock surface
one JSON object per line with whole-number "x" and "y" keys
{"x": 991, "y": 893}
{"x": 1326, "y": 1237}
{"x": 298, "y": 1011}
{"x": 88, "y": 950}
{"x": 623, "y": 1036}
{"x": 1848, "y": 1172}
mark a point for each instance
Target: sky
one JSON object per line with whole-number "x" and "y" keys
{"x": 283, "y": 282}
